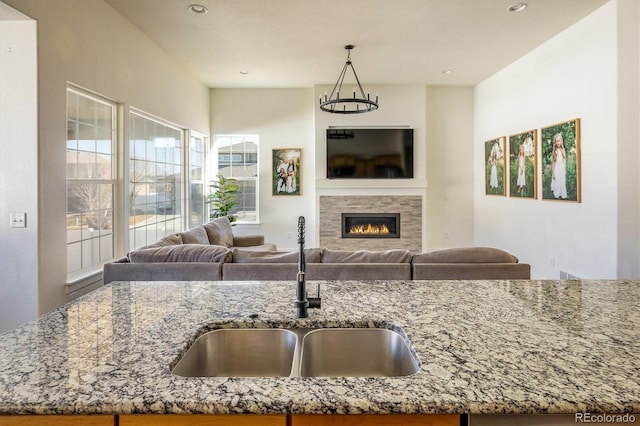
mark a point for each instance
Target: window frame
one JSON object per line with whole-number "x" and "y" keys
{"x": 127, "y": 186}
{"x": 189, "y": 182}
{"x": 114, "y": 181}
{"x": 214, "y": 166}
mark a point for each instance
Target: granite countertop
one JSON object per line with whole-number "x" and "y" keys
{"x": 484, "y": 347}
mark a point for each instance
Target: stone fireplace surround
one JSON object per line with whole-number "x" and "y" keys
{"x": 330, "y": 221}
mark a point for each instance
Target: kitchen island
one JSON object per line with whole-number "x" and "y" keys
{"x": 484, "y": 347}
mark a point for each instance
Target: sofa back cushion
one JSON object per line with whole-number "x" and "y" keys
{"x": 181, "y": 253}
{"x": 219, "y": 232}
{"x": 366, "y": 256}
{"x": 466, "y": 255}
{"x": 311, "y": 255}
{"x": 195, "y": 235}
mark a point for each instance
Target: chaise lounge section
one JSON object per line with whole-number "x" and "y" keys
{"x": 468, "y": 263}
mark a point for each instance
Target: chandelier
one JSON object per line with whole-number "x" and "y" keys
{"x": 355, "y": 104}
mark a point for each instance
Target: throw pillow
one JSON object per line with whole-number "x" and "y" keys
{"x": 366, "y": 256}
{"x": 466, "y": 255}
{"x": 196, "y": 235}
{"x": 181, "y": 253}
{"x": 219, "y": 232}
{"x": 169, "y": 240}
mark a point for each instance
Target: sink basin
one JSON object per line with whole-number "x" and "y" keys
{"x": 239, "y": 352}
{"x": 298, "y": 352}
{"x": 356, "y": 352}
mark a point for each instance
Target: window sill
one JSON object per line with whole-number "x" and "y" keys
{"x": 83, "y": 282}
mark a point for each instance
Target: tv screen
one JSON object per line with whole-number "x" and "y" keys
{"x": 369, "y": 153}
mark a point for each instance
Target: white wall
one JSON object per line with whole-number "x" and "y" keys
{"x": 449, "y": 166}
{"x": 88, "y": 43}
{"x": 18, "y": 171}
{"x": 573, "y": 75}
{"x": 628, "y": 138}
{"x": 284, "y": 119}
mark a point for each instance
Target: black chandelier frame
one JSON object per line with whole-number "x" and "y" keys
{"x": 348, "y": 105}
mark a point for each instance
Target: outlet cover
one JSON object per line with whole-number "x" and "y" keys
{"x": 18, "y": 220}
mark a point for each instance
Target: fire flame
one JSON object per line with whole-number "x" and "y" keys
{"x": 369, "y": 229}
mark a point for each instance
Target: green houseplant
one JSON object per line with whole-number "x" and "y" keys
{"x": 223, "y": 198}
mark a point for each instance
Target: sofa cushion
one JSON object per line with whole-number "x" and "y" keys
{"x": 466, "y": 255}
{"x": 366, "y": 256}
{"x": 312, "y": 255}
{"x": 169, "y": 240}
{"x": 219, "y": 232}
{"x": 181, "y": 253}
{"x": 195, "y": 235}
{"x": 248, "y": 240}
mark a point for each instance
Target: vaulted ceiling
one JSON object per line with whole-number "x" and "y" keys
{"x": 299, "y": 43}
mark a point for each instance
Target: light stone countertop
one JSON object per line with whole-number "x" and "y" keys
{"x": 484, "y": 347}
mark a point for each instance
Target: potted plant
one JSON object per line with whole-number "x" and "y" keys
{"x": 224, "y": 198}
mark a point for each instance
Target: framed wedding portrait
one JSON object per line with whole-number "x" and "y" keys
{"x": 522, "y": 165}
{"x": 286, "y": 171}
{"x": 495, "y": 160}
{"x": 561, "y": 161}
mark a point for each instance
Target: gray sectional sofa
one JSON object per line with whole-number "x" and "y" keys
{"x": 211, "y": 253}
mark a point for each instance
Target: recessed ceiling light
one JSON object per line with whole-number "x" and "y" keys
{"x": 198, "y": 8}
{"x": 244, "y": 72}
{"x": 446, "y": 72}
{"x": 518, "y": 7}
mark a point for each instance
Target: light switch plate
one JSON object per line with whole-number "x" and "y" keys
{"x": 18, "y": 220}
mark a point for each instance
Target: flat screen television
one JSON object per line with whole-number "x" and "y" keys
{"x": 375, "y": 153}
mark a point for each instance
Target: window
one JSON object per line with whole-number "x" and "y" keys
{"x": 91, "y": 180}
{"x": 236, "y": 156}
{"x": 155, "y": 180}
{"x": 197, "y": 144}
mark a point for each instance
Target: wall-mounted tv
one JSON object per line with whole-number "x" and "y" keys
{"x": 374, "y": 153}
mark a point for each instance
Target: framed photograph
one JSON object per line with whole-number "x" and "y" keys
{"x": 561, "y": 161}
{"x": 286, "y": 171}
{"x": 522, "y": 165}
{"x": 495, "y": 160}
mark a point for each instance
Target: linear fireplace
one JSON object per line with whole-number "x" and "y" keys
{"x": 370, "y": 225}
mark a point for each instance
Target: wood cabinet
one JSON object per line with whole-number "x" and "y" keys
{"x": 233, "y": 420}
{"x": 376, "y": 420}
{"x": 97, "y": 420}
{"x": 202, "y": 420}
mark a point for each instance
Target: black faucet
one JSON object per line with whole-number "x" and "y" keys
{"x": 303, "y": 303}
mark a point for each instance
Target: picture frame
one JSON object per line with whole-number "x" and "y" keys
{"x": 523, "y": 160}
{"x": 561, "y": 180}
{"x": 286, "y": 168}
{"x": 495, "y": 167}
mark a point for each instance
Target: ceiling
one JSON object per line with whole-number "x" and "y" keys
{"x": 300, "y": 43}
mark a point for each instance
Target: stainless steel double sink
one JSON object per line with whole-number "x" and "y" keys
{"x": 276, "y": 352}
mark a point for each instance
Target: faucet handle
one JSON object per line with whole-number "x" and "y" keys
{"x": 315, "y": 302}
